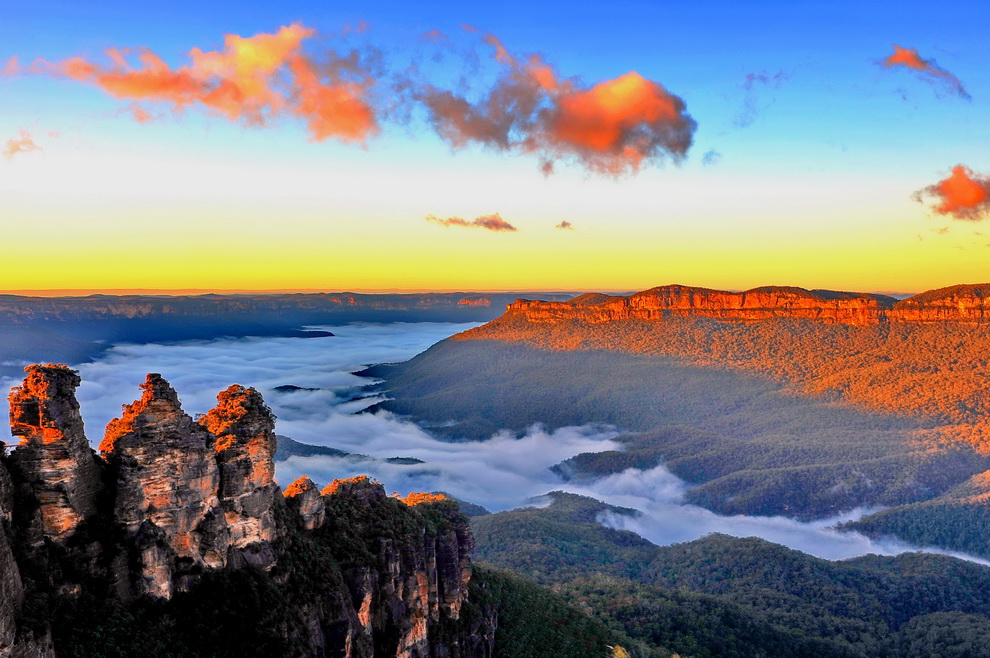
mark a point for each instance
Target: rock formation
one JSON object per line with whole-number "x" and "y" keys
{"x": 303, "y": 497}
{"x": 410, "y": 582}
{"x": 350, "y": 572}
{"x": 53, "y": 459}
{"x": 245, "y": 447}
{"x": 167, "y": 488}
{"x": 962, "y": 303}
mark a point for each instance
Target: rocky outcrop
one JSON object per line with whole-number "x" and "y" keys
{"x": 53, "y": 460}
{"x": 411, "y": 580}
{"x": 303, "y": 498}
{"x": 245, "y": 448}
{"x": 962, "y": 303}
{"x": 167, "y": 486}
{"x": 349, "y": 572}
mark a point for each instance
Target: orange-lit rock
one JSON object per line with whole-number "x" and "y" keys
{"x": 474, "y": 301}
{"x": 245, "y": 447}
{"x": 167, "y": 490}
{"x": 416, "y": 581}
{"x": 360, "y": 487}
{"x": 419, "y": 498}
{"x": 968, "y": 303}
{"x": 303, "y": 497}
{"x": 53, "y": 458}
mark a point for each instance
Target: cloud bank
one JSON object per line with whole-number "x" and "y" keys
{"x": 612, "y": 127}
{"x": 927, "y": 70}
{"x": 252, "y": 80}
{"x": 493, "y": 222}
{"x": 963, "y": 195}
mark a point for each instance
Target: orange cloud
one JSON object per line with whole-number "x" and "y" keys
{"x": 22, "y": 144}
{"x": 612, "y": 127}
{"x": 492, "y": 222}
{"x": 927, "y": 69}
{"x": 252, "y": 79}
{"x": 565, "y": 225}
{"x": 963, "y": 195}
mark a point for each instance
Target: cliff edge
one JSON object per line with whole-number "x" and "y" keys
{"x": 969, "y": 303}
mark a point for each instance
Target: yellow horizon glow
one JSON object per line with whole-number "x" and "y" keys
{"x": 158, "y": 221}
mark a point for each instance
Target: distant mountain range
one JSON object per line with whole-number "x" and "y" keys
{"x": 76, "y": 329}
{"x": 961, "y": 302}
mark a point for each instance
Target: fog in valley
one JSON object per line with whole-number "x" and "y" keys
{"x": 502, "y": 472}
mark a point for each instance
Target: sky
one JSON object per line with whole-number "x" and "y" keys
{"x": 495, "y": 146}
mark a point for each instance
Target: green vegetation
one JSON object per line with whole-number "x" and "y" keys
{"x": 958, "y": 520}
{"x": 724, "y": 596}
{"x": 533, "y": 622}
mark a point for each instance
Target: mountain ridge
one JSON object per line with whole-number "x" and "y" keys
{"x": 963, "y": 302}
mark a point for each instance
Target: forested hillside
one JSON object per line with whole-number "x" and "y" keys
{"x": 724, "y": 596}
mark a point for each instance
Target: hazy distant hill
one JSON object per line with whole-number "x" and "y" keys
{"x": 74, "y": 329}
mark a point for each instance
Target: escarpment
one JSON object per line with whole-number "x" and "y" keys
{"x": 181, "y": 510}
{"x": 968, "y": 303}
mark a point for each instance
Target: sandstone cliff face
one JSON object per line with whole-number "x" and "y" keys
{"x": 168, "y": 482}
{"x": 245, "y": 447}
{"x": 303, "y": 498}
{"x": 184, "y": 498}
{"x": 410, "y": 580}
{"x": 54, "y": 458}
{"x": 965, "y": 302}
{"x": 961, "y": 303}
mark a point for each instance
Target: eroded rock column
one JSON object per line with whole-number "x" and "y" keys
{"x": 244, "y": 428}
{"x": 53, "y": 458}
{"x": 167, "y": 490}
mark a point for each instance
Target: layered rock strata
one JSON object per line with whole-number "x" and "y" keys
{"x": 968, "y": 303}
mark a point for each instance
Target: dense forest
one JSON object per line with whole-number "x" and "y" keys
{"x": 724, "y": 596}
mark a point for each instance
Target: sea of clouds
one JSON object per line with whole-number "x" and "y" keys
{"x": 502, "y": 472}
